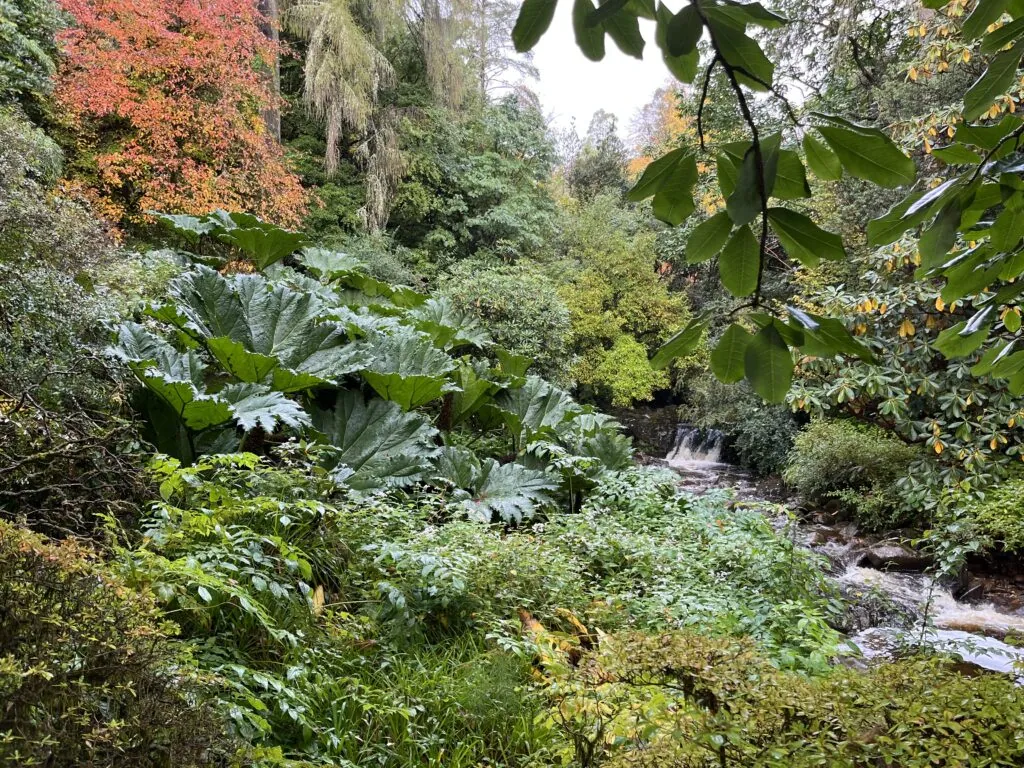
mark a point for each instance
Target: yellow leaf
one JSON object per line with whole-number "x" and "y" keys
{"x": 940, "y": 304}
{"x": 939, "y": 447}
{"x": 966, "y": 55}
{"x": 994, "y": 444}
{"x": 907, "y": 328}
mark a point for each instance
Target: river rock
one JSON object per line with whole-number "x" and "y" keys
{"x": 889, "y": 556}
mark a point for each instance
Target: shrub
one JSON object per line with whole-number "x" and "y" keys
{"x": 998, "y": 512}
{"x": 683, "y": 699}
{"x": 63, "y": 450}
{"x": 520, "y": 308}
{"x": 27, "y": 49}
{"x": 88, "y": 672}
{"x": 855, "y": 465}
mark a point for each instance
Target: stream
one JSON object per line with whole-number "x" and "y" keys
{"x": 893, "y": 604}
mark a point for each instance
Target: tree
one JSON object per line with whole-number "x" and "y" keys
{"x": 491, "y": 56}
{"x": 770, "y": 165}
{"x": 600, "y": 164}
{"x": 162, "y": 104}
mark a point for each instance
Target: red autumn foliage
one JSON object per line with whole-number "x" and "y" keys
{"x": 163, "y": 98}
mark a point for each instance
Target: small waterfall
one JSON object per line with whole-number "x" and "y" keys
{"x": 695, "y": 445}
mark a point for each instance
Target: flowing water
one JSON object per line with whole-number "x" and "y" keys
{"x": 890, "y": 610}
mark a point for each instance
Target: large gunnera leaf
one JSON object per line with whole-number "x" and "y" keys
{"x": 489, "y": 490}
{"x": 534, "y": 407}
{"x": 262, "y": 242}
{"x": 262, "y": 332}
{"x": 378, "y": 444}
{"x": 449, "y": 327}
{"x": 176, "y": 378}
{"x": 407, "y": 369}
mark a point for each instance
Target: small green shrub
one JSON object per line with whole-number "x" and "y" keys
{"x": 521, "y": 309}
{"x": 998, "y": 512}
{"x": 89, "y": 674}
{"x": 687, "y": 700}
{"x": 854, "y": 465}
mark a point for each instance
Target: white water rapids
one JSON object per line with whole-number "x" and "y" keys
{"x": 934, "y": 617}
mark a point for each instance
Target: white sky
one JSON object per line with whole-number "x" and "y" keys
{"x": 571, "y": 86}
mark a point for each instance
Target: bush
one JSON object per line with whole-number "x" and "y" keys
{"x": 683, "y": 699}
{"x": 64, "y": 453}
{"x": 855, "y": 466}
{"x": 520, "y": 308}
{"x": 27, "y": 49}
{"x": 997, "y": 512}
{"x": 88, "y": 672}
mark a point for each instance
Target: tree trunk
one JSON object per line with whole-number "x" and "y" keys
{"x": 271, "y": 28}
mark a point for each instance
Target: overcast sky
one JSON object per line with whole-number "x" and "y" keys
{"x": 571, "y": 86}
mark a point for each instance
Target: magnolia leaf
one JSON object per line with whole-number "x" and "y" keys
{"x": 870, "y": 154}
{"x": 953, "y": 343}
{"x": 707, "y": 238}
{"x": 533, "y": 21}
{"x": 985, "y": 13}
{"x": 739, "y": 263}
{"x": 589, "y": 38}
{"x": 624, "y": 29}
{"x": 742, "y": 54}
{"x": 768, "y": 365}
{"x": 683, "y": 32}
{"x": 673, "y": 202}
{"x": 657, "y": 174}
{"x": 996, "y": 80}
{"x": 681, "y": 344}
{"x": 803, "y": 239}
{"x": 790, "y": 177}
{"x": 727, "y": 358}
{"x": 823, "y": 161}
{"x": 745, "y": 203}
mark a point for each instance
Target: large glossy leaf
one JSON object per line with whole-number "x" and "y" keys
{"x": 476, "y": 390}
{"x": 822, "y": 160}
{"x": 707, "y": 238}
{"x": 727, "y": 358}
{"x": 407, "y": 369}
{"x": 533, "y": 21}
{"x": 327, "y": 264}
{"x": 869, "y": 154}
{"x": 768, "y": 364}
{"x": 589, "y": 37}
{"x": 535, "y": 406}
{"x": 680, "y": 344}
{"x": 684, "y": 65}
{"x": 742, "y": 53}
{"x": 996, "y": 81}
{"x": 739, "y": 262}
{"x": 378, "y": 444}
{"x": 670, "y": 179}
{"x": 803, "y": 239}
{"x": 745, "y": 203}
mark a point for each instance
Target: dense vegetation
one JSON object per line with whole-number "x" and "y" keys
{"x": 310, "y": 324}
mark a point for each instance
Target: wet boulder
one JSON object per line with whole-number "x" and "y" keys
{"x": 892, "y": 556}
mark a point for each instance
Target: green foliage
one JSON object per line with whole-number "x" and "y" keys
{"x": 474, "y": 185}
{"x": 619, "y": 306}
{"x": 89, "y": 674}
{"x": 656, "y": 558}
{"x": 682, "y": 699}
{"x": 27, "y": 48}
{"x": 520, "y": 309}
{"x": 858, "y": 465}
{"x": 996, "y": 512}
